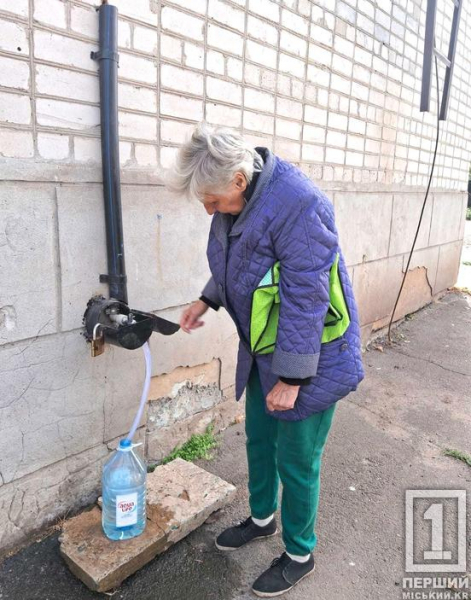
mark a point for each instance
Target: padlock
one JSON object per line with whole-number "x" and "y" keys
{"x": 98, "y": 342}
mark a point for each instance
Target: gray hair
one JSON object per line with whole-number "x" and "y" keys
{"x": 208, "y": 161}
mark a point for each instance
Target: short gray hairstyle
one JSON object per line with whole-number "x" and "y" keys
{"x": 208, "y": 161}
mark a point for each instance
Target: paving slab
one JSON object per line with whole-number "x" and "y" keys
{"x": 180, "y": 497}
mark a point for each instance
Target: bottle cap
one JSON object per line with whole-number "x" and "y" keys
{"x": 125, "y": 444}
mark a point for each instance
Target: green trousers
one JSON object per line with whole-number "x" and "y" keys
{"x": 290, "y": 451}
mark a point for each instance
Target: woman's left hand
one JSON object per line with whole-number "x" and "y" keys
{"x": 282, "y": 396}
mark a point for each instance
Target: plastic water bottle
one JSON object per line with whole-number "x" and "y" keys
{"x": 124, "y": 493}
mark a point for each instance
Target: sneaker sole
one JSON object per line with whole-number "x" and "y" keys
{"x": 258, "y": 538}
{"x": 273, "y": 594}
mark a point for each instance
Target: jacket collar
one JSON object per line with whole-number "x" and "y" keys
{"x": 223, "y": 222}
{"x": 263, "y": 179}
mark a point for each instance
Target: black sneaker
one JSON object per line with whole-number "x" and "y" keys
{"x": 283, "y": 574}
{"x": 244, "y": 532}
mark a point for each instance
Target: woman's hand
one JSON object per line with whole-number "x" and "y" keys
{"x": 282, "y": 397}
{"x": 190, "y": 318}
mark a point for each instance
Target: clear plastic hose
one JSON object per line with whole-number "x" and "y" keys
{"x": 145, "y": 392}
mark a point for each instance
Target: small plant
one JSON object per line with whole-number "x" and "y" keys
{"x": 468, "y": 214}
{"x": 198, "y": 446}
{"x": 466, "y": 458}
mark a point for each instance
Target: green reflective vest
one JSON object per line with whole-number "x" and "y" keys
{"x": 266, "y": 310}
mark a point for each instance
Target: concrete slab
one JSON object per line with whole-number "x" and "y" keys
{"x": 51, "y": 406}
{"x": 405, "y": 216}
{"x": 446, "y": 217}
{"x": 180, "y": 497}
{"x": 363, "y": 221}
{"x": 28, "y": 292}
{"x": 375, "y": 286}
{"x": 448, "y": 266}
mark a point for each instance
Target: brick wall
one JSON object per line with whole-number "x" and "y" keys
{"x": 330, "y": 85}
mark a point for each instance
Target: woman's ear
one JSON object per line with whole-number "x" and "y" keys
{"x": 240, "y": 181}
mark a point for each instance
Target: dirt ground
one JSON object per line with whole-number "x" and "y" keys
{"x": 386, "y": 438}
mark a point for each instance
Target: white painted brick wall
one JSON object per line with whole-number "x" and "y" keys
{"x": 87, "y": 149}
{"x": 260, "y": 54}
{"x": 137, "y": 98}
{"x": 171, "y": 47}
{"x": 146, "y": 155}
{"x": 234, "y": 68}
{"x": 347, "y": 66}
{"x": 259, "y": 100}
{"x": 14, "y": 73}
{"x": 13, "y": 37}
{"x": 266, "y": 9}
{"x": 83, "y": 21}
{"x": 16, "y": 144}
{"x": 19, "y": 7}
{"x": 55, "y": 81}
{"x": 52, "y": 146}
{"x": 215, "y": 62}
{"x": 193, "y": 55}
{"x": 220, "y": 114}
{"x": 137, "y": 68}
{"x": 262, "y": 30}
{"x": 222, "y": 12}
{"x": 223, "y": 90}
{"x": 225, "y": 39}
{"x": 179, "y": 22}
{"x": 198, "y": 6}
{"x": 145, "y": 39}
{"x": 292, "y": 66}
{"x": 259, "y": 122}
{"x": 67, "y": 115}
{"x": 64, "y": 50}
{"x": 51, "y": 12}
{"x": 138, "y": 127}
{"x": 294, "y": 44}
{"x": 179, "y": 106}
{"x": 15, "y": 109}
{"x": 175, "y": 131}
{"x": 294, "y": 22}
{"x": 182, "y": 80}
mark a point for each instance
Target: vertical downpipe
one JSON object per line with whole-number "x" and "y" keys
{"x": 108, "y": 71}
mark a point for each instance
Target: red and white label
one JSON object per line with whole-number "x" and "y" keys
{"x": 126, "y": 510}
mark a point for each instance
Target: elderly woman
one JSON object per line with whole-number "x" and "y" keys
{"x": 278, "y": 269}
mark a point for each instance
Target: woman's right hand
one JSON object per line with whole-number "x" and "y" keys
{"x": 190, "y": 318}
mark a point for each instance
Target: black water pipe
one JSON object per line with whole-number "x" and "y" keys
{"x": 108, "y": 71}
{"x": 110, "y": 320}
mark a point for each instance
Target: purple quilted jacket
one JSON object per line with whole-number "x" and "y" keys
{"x": 291, "y": 220}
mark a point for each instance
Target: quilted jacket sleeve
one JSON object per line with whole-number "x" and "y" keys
{"x": 210, "y": 292}
{"x": 305, "y": 244}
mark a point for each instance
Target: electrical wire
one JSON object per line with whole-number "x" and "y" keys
{"x": 424, "y": 202}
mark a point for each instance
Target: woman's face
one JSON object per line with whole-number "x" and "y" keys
{"x": 230, "y": 201}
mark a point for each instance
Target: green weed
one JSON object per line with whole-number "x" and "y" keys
{"x": 198, "y": 446}
{"x": 466, "y": 458}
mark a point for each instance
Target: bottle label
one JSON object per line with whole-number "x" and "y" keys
{"x": 126, "y": 510}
